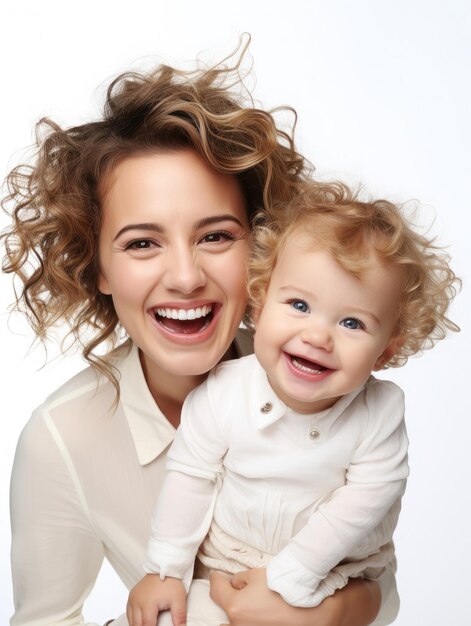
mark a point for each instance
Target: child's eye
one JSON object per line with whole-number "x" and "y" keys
{"x": 352, "y": 323}
{"x": 300, "y": 305}
{"x": 217, "y": 236}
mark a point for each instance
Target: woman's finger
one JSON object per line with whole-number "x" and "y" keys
{"x": 221, "y": 590}
{"x": 134, "y": 616}
{"x": 240, "y": 580}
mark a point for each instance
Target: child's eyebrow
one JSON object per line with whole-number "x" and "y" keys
{"x": 367, "y": 313}
{"x": 294, "y": 288}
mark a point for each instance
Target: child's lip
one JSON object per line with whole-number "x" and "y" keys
{"x": 315, "y": 365}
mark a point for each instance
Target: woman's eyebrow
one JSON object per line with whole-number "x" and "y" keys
{"x": 156, "y": 228}
{"x": 214, "y": 219}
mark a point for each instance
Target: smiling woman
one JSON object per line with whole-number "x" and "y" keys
{"x": 177, "y": 284}
{"x": 136, "y": 224}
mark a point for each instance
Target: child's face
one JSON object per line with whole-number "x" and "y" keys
{"x": 322, "y": 331}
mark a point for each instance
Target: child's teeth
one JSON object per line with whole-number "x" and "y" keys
{"x": 304, "y": 368}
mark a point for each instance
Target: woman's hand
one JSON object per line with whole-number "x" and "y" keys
{"x": 247, "y": 601}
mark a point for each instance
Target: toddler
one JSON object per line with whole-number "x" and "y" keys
{"x": 295, "y": 458}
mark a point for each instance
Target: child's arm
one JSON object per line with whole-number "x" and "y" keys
{"x": 152, "y": 595}
{"x": 182, "y": 516}
{"x": 375, "y": 480}
{"x": 181, "y": 521}
{"x": 186, "y": 502}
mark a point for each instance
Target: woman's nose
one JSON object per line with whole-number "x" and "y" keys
{"x": 184, "y": 273}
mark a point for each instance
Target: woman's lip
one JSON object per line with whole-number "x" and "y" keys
{"x": 189, "y": 338}
{"x": 193, "y": 304}
{"x": 178, "y": 313}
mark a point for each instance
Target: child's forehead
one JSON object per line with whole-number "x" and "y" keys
{"x": 300, "y": 237}
{"x": 314, "y": 273}
{"x": 301, "y": 240}
{"x": 360, "y": 264}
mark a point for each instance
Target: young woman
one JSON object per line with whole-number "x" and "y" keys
{"x": 133, "y": 230}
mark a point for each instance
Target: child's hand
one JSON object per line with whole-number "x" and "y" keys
{"x": 152, "y": 595}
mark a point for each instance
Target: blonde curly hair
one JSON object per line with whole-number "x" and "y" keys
{"x": 354, "y": 232}
{"x": 54, "y": 203}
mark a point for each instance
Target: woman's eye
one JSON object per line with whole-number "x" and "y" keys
{"x": 352, "y": 323}
{"x": 139, "y": 244}
{"x": 217, "y": 236}
{"x": 300, "y": 306}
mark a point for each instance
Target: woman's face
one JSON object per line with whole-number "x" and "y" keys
{"x": 172, "y": 249}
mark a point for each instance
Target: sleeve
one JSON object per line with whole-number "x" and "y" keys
{"x": 375, "y": 480}
{"x": 202, "y": 439}
{"x": 56, "y": 556}
{"x": 389, "y": 609}
{"x": 181, "y": 521}
{"x": 186, "y": 503}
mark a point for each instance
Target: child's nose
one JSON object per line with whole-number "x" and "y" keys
{"x": 318, "y": 335}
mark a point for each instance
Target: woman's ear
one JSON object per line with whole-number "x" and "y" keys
{"x": 391, "y": 349}
{"x": 103, "y": 285}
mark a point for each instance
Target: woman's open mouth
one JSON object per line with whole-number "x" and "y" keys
{"x": 185, "y": 321}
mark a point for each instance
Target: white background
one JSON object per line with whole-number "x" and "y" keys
{"x": 382, "y": 92}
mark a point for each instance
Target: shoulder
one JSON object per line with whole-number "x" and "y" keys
{"x": 385, "y": 406}
{"x": 76, "y": 390}
{"x": 89, "y": 382}
{"x": 232, "y": 373}
{"x": 226, "y": 385}
{"x": 80, "y": 384}
{"x": 68, "y": 417}
{"x": 377, "y": 391}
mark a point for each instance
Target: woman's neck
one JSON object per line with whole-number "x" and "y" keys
{"x": 169, "y": 390}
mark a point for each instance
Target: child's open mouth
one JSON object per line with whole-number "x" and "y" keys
{"x": 184, "y": 321}
{"x": 304, "y": 365}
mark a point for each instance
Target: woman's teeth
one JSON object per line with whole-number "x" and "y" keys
{"x": 185, "y": 314}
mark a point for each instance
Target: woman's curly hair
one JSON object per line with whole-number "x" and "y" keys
{"x": 357, "y": 233}
{"x": 55, "y": 203}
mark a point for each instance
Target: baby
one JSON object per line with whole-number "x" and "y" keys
{"x": 295, "y": 458}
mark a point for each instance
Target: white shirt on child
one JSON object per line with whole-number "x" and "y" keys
{"x": 308, "y": 489}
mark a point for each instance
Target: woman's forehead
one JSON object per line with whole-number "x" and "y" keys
{"x": 157, "y": 187}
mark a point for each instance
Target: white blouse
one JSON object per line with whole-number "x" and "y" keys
{"x": 85, "y": 481}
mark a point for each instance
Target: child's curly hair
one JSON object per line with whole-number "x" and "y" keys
{"x": 355, "y": 233}
{"x": 52, "y": 243}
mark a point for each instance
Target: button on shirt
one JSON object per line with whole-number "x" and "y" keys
{"x": 85, "y": 481}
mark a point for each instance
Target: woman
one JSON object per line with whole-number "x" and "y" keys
{"x": 135, "y": 228}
